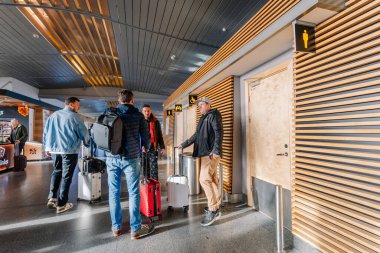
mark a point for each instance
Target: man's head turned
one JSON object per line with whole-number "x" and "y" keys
{"x": 125, "y": 97}
{"x": 73, "y": 103}
{"x": 204, "y": 105}
{"x": 14, "y": 123}
{"x": 146, "y": 111}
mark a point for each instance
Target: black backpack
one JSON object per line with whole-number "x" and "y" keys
{"x": 108, "y": 132}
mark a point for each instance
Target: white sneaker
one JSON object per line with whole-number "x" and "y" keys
{"x": 61, "y": 209}
{"x": 52, "y": 203}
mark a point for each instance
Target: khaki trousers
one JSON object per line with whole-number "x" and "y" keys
{"x": 210, "y": 182}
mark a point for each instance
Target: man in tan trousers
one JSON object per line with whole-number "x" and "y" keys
{"x": 207, "y": 141}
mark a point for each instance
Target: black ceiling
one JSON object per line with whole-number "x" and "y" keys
{"x": 147, "y": 32}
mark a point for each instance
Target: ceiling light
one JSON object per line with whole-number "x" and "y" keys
{"x": 224, "y": 29}
{"x": 36, "y": 36}
{"x": 172, "y": 57}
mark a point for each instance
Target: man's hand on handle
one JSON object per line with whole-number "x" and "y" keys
{"x": 179, "y": 147}
{"x": 214, "y": 156}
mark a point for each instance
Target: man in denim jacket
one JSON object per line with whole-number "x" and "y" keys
{"x": 63, "y": 133}
{"x": 134, "y": 130}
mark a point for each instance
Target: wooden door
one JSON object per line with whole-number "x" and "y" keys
{"x": 268, "y": 132}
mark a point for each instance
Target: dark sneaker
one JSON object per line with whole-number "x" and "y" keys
{"x": 146, "y": 229}
{"x": 61, "y": 209}
{"x": 52, "y": 203}
{"x": 116, "y": 231}
{"x": 210, "y": 217}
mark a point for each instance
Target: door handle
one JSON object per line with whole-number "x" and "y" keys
{"x": 283, "y": 154}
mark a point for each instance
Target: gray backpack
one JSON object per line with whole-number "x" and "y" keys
{"x": 108, "y": 132}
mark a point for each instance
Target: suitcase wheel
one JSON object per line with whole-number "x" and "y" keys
{"x": 185, "y": 209}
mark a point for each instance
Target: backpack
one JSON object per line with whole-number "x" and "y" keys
{"x": 108, "y": 132}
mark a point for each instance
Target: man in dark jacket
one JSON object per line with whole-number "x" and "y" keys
{"x": 156, "y": 140}
{"x": 19, "y": 134}
{"x": 207, "y": 141}
{"x": 134, "y": 129}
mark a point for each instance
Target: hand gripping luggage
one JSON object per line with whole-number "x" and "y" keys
{"x": 150, "y": 194}
{"x": 20, "y": 161}
{"x": 89, "y": 176}
{"x": 178, "y": 188}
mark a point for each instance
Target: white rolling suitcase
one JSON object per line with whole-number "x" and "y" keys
{"x": 178, "y": 189}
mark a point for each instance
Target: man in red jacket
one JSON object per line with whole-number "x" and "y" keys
{"x": 157, "y": 142}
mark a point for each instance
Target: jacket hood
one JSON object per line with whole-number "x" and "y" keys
{"x": 127, "y": 108}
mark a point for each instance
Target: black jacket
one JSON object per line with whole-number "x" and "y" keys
{"x": 20, "y": 133}
{"x": 157, "y": 132}
{"x": 135, "y": 128}
{"x": 208, "y": 136}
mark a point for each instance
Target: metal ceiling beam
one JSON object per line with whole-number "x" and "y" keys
{"x": 103, "y": 18}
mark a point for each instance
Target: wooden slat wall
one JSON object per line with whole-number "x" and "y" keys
{"x": 336, "y": 173}
{"x": 169, "y": 138}
{"x": 270, "y": 12}
{"x": 222, "y": 98}
{"x": 86, "y": 42}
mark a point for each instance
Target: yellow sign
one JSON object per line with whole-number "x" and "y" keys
{"x": 192, "y": 99}
{"x": 178, "y": 108}
{"x": 304, "y": 36}
{"x": 169, "y": 112}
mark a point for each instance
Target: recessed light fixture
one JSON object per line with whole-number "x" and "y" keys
{"x": 36, "y": 36}
{"x": 224, "y": 29}
{"x": 172, "y": 57}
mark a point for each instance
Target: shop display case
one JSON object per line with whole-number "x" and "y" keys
{"x": 5, "y": 130}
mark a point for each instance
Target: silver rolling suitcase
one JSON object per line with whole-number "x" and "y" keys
{"x": 89, "y": 183}
{"x": 178, "y": 189}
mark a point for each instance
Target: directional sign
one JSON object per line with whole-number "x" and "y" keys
{"x": 304, "y": 38}
{"x": 178, "y": 108}
{"x": 192, "y": 99}
{"x": 169, "y": 112}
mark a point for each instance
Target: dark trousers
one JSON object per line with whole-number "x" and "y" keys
{"x": 150, "y": 168}
{"x": 64, "y": 166}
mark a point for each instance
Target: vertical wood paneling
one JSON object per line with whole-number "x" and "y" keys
{"x": 38, "y": 124}
{"x": 336, "y": 170}
{"x": 222, "y": 98}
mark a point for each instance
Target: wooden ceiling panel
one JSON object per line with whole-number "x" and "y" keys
{"x": 86, "y": 42}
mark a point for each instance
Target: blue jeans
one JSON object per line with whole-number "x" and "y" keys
{"x": 64, "y": 167}
{"x": 131, "y": 169}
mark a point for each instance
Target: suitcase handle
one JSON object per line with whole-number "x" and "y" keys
{"x": 180, "y": 168}
{"x": 146, "y": 166}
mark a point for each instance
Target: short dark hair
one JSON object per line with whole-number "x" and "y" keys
{"x": 146, "y": 105}
{"x": 125, "y": 96}
{"x": 70, "y": 100}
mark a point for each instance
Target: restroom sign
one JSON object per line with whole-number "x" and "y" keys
{"x": 304, "y": 36}
{"x": 169, "y": 112}
{"x": 192, "y": 99}
{"x": 178, "y": 108}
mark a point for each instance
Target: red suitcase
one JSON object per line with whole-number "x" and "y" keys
{"x": 150, "y": 198}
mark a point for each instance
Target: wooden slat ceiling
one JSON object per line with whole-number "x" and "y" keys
{"x": 87, "y": 43}
{"x": 269, "y": 13}
{"x": 120, "y": 43}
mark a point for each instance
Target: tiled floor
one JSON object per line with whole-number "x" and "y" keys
{"x": 26, "y": 225}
